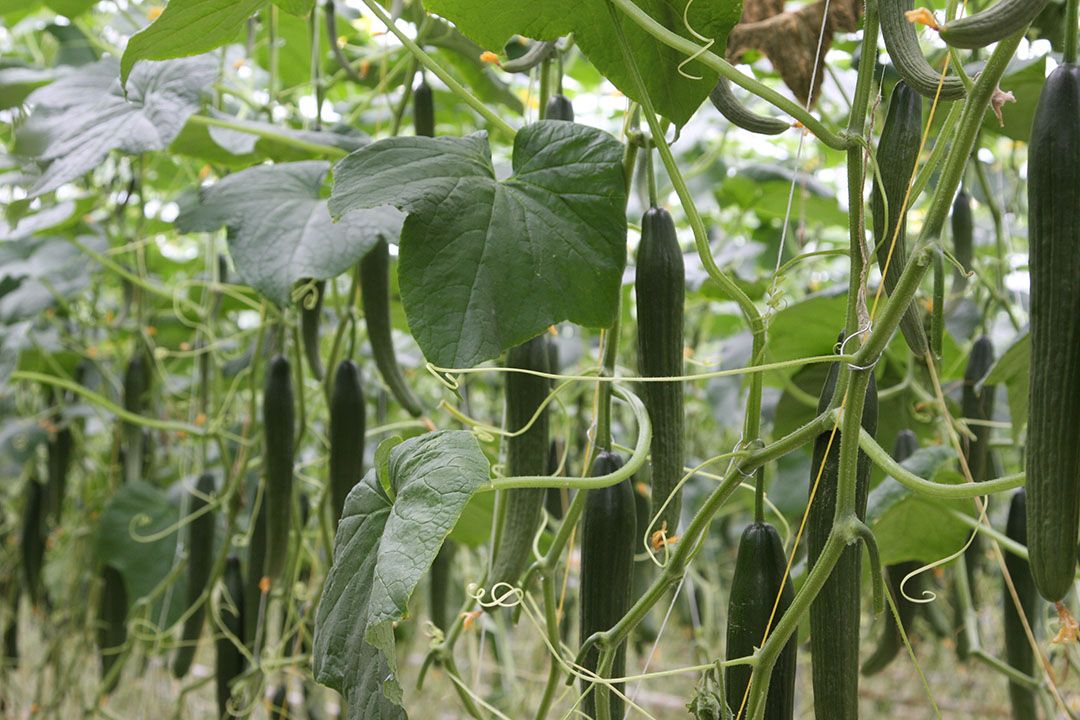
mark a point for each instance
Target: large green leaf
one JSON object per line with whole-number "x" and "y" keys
{"x": 909, "y": 526}
{"x": 493, "y": 22}
{"x": 382, "y": 550}
{"x": 486, "y": 264}
{"x": 83, "y": 116}
{"x": 127, "y": 539}
{"x": 188, "y": 27}
{"x": 280, "y": 228}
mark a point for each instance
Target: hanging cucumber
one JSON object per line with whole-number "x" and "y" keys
{"x": 111, "y": 625}
{"x": 137, "y": 382}
{"x": 891, "y": 642}
{"x": 608, "y": 538}
{"x": 423, "y": 109}
{"x": 310, "y": 317}
{"x": 835, "y": 612}
{"x": 1053, "y": 446}
{"x": 526, "y": 454}
{"x": 1018, "y": 651}
{"x": 230, "y": 661}
{"x": 978, "y": 404}
{"x": 33, "y": 538}
{"x": 58, "y": 450}
{"x": 897, "y": 154}
{"x": 375, "y": 291}
{"x": 347, "y": 427}
{"x": 200, "y": 552}
{"x": 279, "y": 429}
{"x": 660, "y": 288}
{"x": 724, "y": 100}
{"x": 907, "y": 57}
{"x": 559, "y": 107}
{"x": 439, "y": 586}
{"x": 963, "y": 233}
{"x": 253, "y": 586}
{"x": 759, "y": 575}
{"x": 997, "y": 22}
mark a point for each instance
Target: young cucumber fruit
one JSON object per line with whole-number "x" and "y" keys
{"x": 963, "y": 233}
{"x": 897, "y": 154}
{"x": 310, "y": 318}
{"x": 279, "y": 428}
{"x": 724, "y": 100}
{"x": 423, "y": 109}
{"x": 1018, "y": 651}
{"x": 375, "y": 293}
{"x": 230, "y": 660}
{"x": 997, "y": 22}
{"x": 34, "y": 533}
{"x": 111, "y": 625}
{"x": 977, "y": 403}
{"x": 835, "y": 612}
{"x": 559, "y": 107}
{"x": 759, "y": 576}
{"x": 200, "y": 552}
{"x": 347, "y": 427}
{"x": 907, "y": 57}
{"x": 526, "y": 454}
{"x": 608, "y": 537}
{"x": 660, "y": 288}
{"x": 1053, "y": 444}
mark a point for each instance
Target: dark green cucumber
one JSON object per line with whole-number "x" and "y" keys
{"x": 137, "y": 383}
{"x": 423, "y": 109}
{"x": 963, "y": 233}
{"x": 375, "y": 292}
{"x": 34, "y": 534}
{"x": 759, "y": 575}
{"x": 439, "y": 586}
{"x": 835, "y": 613}
{"x": 907, "y": 57}
{"x": 200, "y": 552}
{"x": 230, "y": 661}
{"x": 310, "y": 318}
{"x": 978, "y": 404}
{"x": 279, "y": 703}
{"x": 724, "y": 100}
{"x": 347, "y": 427}
{"x": 256, "y": 562}
{"x": 526, "y": 454}
{"x": 660, "y": 288}
{"x": 897, "y": 154}
{"x": 59, "y": 450}
{"x": 608, "y": 540}
{"x": 9, "y": 595}
{"x": 559, "y": 107}
{"x": 891, "y": 642}
{"x": 279, "y": 429}
{"x": 111, "y": 625}
{"x": 1018, "y": 651}
{"x": 997, "y": 22}
{"x": 1053, "y": 445}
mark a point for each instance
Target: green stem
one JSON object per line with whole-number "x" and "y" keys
{"x": 607, "y": 369}
{"x": 436, "y": 69}
{"x": 999, "y": 227}
{"x": 1070, "y": 31}
{"x": 941, "y": 146}
{"x": 714, "y": 62}
{"x": 551, "y": 624}
{"x": 271, "y": 134}
{"x": 545, "y": 87}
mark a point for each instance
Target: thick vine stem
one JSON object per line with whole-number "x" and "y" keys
{"x": 877, "y": 580}
{"x": 714, "y": 62}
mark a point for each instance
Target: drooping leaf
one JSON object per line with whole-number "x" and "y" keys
{"x": 188, "y": 27}
{"x": 909, "y": 526}
{"x": 486, "y": 264}
{"x": 127, "y": 540}
{"x": 280, "y": 228}
{"x": 670, "y": 84}
{"x": 83, "y": 116}
{"x": 381, "y": 551}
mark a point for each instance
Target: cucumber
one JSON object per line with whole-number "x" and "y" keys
{"x": 423, "y": 109}
{"x": 111, "y": 624}
{"x": 559, "y": 107}
{"x": 526, "y": 454}
{"x": 963, "y": 233}
{"x": 835, "y": 612}
{"x": 58, "y": 453}
{"x": 200, "y": 552}
{"x": 279, "y": 429}
{"x": 897, "y": 154}
{"x": 978, "y": 404}
{"x": 1053, "y": 445}
{"x": 439, "y": 587}
{"x": 137, "y": 384}
{"x": 252, "y": 595}
{"x": 309, "y": 328}
{"x": 375, "y": 292}
{"x": 660, "y": 289}
{"x": 724, "y": 100}
{"x": 229, "y": 662}
{"x": 907, "y": 57}
{"x": 997, "y": 22}
{"x": 891, "y": 642}
{"x": 34, "y": 533}
{"x": 1018, "y": 651}
{"x": 608, "y": 538}
{"x": 759, "y": 574}
{"x": 347, "y": 427}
